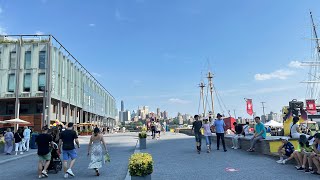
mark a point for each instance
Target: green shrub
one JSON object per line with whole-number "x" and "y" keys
{"x": 140, "y": 164}
{"x": 142, "y": 135}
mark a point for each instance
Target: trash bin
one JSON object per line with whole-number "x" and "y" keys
{"x": 33, "y": 144}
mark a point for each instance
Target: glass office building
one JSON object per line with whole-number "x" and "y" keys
{"x": 41, "y": 81}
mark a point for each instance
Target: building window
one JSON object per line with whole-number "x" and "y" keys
{"x": 24, "y": 108}
{"x": 39, "y": 108}
{"x": 54, "y": 109}
{"x": 13, "y": 59}
{"x": 11, "y": 83}
{"x": 41, "y": 82}
{"x": 27, "y": 82}
{"x": 42, "y": 59}
{"x": 27, "y": 60}
{"x": 63, "y": 110}
{"x": 10, "y": 109}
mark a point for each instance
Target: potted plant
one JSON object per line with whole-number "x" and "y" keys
{"x": 143, "y": 140}
{"x": 140, "y": 166}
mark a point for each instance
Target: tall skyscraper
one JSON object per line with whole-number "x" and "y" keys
{"x": 122, "y": 106}
{"x": 158, "y": 113}
{"x": 165, "y": 115}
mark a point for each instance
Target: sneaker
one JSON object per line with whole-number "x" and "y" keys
{"x": 16, "y": 154}
{"x": 21, "y": 152}
{"x": 232, "y": 147}
{"x": 44, "y": 173}
{"x": 40, "y": 176}
{"x": 66, "y": 175}
{"x": 235, "y": 148}
{"x": 300, "y": 169}
{"x": 308, "y": 170}
{"x": 279, "y": 161}
{"x": 69, "y": 171}
{"x": 225, "y": 150}
{"x": 284, "y": 161}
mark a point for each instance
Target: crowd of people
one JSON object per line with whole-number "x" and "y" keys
{"x": 307, "y": 155}
{"x": 64, "y": 139}
{"x": 20, "y": 141}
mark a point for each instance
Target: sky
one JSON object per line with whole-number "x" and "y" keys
{"x": 156, "y": 52}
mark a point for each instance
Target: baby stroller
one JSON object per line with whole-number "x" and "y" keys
{"x": 55, "y": 162}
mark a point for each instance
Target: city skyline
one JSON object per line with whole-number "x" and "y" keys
{"x": 159, "y": 51}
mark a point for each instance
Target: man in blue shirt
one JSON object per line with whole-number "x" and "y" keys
{"x": 260, "y": 133}
{"x": 220, "y": 130}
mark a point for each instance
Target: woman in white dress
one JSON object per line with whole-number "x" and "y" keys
{"x": 98, "y": 149}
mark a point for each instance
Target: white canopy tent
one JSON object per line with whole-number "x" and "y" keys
{"x": 273, "y": 123}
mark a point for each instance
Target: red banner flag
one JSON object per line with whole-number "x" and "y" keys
{"x": 249, "y": 107}
{"x": 311, "y": 106}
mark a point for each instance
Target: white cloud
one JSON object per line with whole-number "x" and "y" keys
{"x": 96, "y": 74}
{"x": 39, "y": 33}
{"x": 92, "y": 25}
{"x": 178, "y": 101}
{"x": 279, "y": 74}
{"x": 295, "y": 64}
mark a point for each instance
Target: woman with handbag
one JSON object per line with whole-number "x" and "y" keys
{"x": 18, "y": 136}
{"x": 98, "y": 149}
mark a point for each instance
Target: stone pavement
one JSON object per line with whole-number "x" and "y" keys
{"x": 175, "y": 158}
{"x": 7, "y": 158}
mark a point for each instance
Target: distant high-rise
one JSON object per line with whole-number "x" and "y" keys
{"x": 165, "y": 115}
{"x": 122, "y": 106}
{"x": 158, "y": 113}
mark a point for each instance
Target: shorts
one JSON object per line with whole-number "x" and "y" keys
{"x": 69, "y": 154}
{"x": 198, "y": 137}
{"x": 46, "y": 157}
{"x": 288, "y": 154}
{"x": 307, "y": 153}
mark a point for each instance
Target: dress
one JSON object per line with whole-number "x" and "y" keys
{"x": 96, "y": 155}
{"x": 8, "y": 137}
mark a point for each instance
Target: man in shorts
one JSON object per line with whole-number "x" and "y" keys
{"x": 67, "y": 139}
{"x": 43, "y": 141}
{"x": 197, "y": 125}
{"x": 286, "y": 149}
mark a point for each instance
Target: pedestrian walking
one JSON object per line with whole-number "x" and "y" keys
{"x": 207, "y": 134}
{"x": 97, "y": 148}
{"x": 196, "y": 127}
{"x": 26, "y": 138}
{"x": 153, "y": 130}
{"x": 55, "y": 135}
{"x": 18, "y": 141}
{"x": 220, "y": 131}
{"x": 9, "y": 139}
{"x": 158, "y": 129}
{"x": 67, "y": 139}
{"x": 44, "y": 140}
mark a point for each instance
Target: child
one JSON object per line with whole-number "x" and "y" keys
{"x": 207, "y": 134}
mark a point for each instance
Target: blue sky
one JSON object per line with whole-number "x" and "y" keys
{"x": 152, "y": 52}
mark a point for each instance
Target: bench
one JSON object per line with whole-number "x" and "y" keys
{"x": 268, "y": 146}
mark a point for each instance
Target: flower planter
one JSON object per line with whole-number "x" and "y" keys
{"x": 143, "y": 143}
{"x": 148, "y": 177}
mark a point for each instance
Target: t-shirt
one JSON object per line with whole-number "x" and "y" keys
{"x": 238, "y": 129}
{"x": 197, "y": 126}
{"x": 288, "y": 147}
{"x": 43, "y": 141}
{"x": 307, "y": 149}
{"x": 68, "y": 137}
{"x": 260, "y": 128}
{"x": 219, "y": 125}
{"x": 246, "y": 129}
{"x": 207, "y": 131}
{"x": 18, "y": 137}
{"x": 26, "y": 133}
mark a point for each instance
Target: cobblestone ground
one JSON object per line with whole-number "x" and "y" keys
{"x": 175, "y": 158}
{"x": 120, "y": 146}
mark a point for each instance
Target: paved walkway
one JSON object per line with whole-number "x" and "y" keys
{"x": 175, "y": 158}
